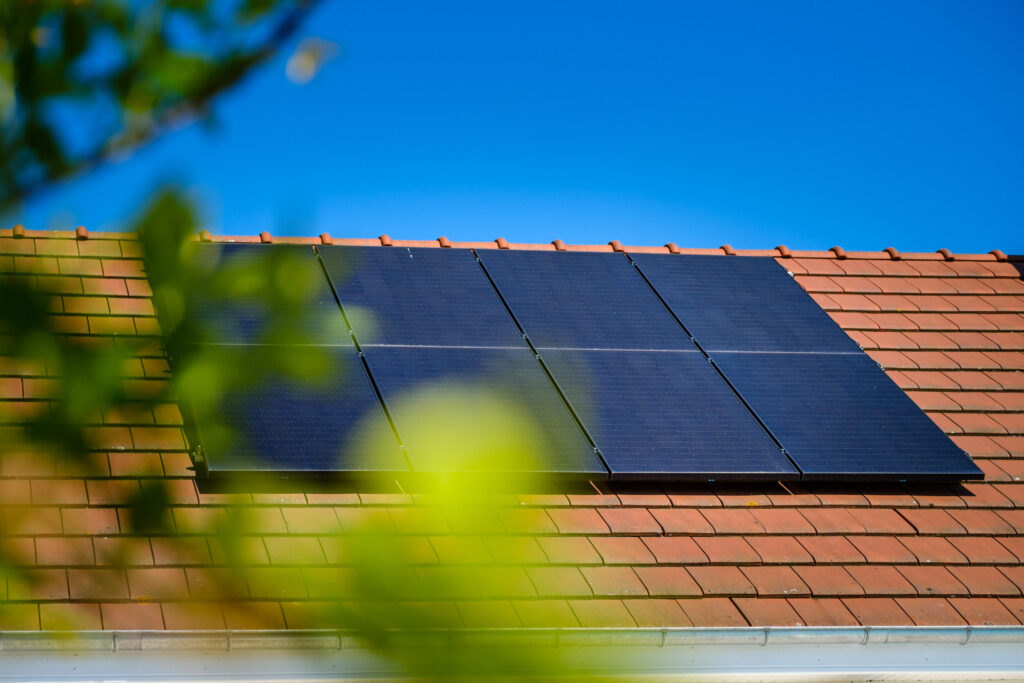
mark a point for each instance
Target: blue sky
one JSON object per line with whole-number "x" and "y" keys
{"x": 863, "y": 124}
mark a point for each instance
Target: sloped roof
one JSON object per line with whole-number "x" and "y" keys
{"x": 949, "y": 329}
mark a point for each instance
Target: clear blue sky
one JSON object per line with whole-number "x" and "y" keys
{"x": 863, "y": 124}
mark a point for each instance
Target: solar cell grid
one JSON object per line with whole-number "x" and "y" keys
{"x": 305, "y": 312}
{"x": 479, "y": 409}
{"x": 333, "y": 424}
{"x": 418, "y": 297}
{"x": 839, "y": 417}
{"x": 742, "y": 303}
{"x": 664, "y": 415}
{"x": 582, "y": 300}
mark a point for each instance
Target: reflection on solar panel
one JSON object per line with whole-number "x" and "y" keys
{"x": 420, "y": 297}
{"x": 582, "y": 300}
{"x": 665, "y": 415}
{"x": 460, "y": 409}
{"x": 234, "y": 308}
{"x": 331, "y": 425}
{"x": 741, "y": 304}
{"x": 839, "y": 417}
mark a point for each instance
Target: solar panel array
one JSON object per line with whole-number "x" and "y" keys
{"x": 580, "y": 365}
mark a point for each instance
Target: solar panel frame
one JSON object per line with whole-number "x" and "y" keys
{"x": 741, "y": 303}
{"x": 699, "y": 431}
{"x": 582, "y": 300}
{"x": 418, "y": 297}
{"x": 841, "y": 418}
{"x": 507, "y": 377}
{"x": 290, "y": 427}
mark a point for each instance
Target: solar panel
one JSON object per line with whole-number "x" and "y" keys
{"x": 664, "y": 415}
{"x": 582, "y": 300}
{"x": 741, "y": 303}
{"x": 840, "y": 417}
{"x": 421, "y": 297}
{"x": 472, "y": 409}
{"x": 252, "y": 293}
{"x": 278, "y": 424}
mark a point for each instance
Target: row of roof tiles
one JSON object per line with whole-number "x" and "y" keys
{"x": 628, "y": 612}
{"x": 439, "y": 582}
{"x": 294, "y": 549}
{"x": 782, "y": 251}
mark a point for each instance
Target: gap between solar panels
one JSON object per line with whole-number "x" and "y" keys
{"x": 580, "y": 366}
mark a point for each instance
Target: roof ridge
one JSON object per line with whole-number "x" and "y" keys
{"x": 780, "y": 251}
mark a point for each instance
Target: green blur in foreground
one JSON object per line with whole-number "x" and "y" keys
{"x": 400, "y": 577}
{"x": 396, "y": 582}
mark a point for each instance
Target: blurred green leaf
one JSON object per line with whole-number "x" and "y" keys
{"x": 166, "y": 61}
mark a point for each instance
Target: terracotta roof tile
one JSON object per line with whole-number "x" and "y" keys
{"x": 722, "y": 581}
{"x": 578, "y": 521}
{"x": 712, "y": 611}
{"x": 558, "y": 581}
{"x": 984, "y": 550}
{"x": 569, "y": 550}
{"x": 733, "y": 521}
{"x": 830, "y": 549}
{"x": 932, "y": 522}
{"x": 823, "y": 612}
{"x": 610, "y": 581}
{"x": 932, "y": 580}
{"x": 781, "y": 521}
{"x": 545, "y": 613}
{"x": 878, "y": 580}
{"x": 654, "y": 612}
{"x": 933, "y": 550}
{"x": 683, "y": 521}
{"x": 768, "y": 612}
{"x": 622, "y": 550}
{"x": 833, "y": 521}
{"x": 984, "y": 612}
{"x": 779, "y": 581}
{"x": 877, "y": 612}
{"x": 882, "y": 549}
{"x": 930, "y": 611}
{"x": 981, "y": 581}
{"x": 675, "y": 550}
{"x": 668, "y": 582}
{"x": 602, "y": 613}
{"x": 629, "y": 521}
{"x": 983, "y": 522}
{"x": 727, "y": 550}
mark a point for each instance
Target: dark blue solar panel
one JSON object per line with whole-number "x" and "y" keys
{"x": 458, "y": 409}
{"x": 664, "y": 415}
{"x": 741, "y": 303}
{"x": 253, "y": 293}
{"x": 422, "y": 297}
{"x": 840, "y": 417}
{"x": 582, "y": 300}
{"x": 334, "y": 425}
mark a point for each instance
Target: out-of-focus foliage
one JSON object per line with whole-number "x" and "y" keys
{"x": 84, "y": 81}
{"x": 141, "y": 67}
{"x": 195, "y": 291}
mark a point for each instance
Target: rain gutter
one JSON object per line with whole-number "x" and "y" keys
{"x": 770, "y": 653}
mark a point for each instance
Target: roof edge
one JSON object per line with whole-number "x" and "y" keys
{"x": 323, "y": 639}
{"x": 781, "y": 251}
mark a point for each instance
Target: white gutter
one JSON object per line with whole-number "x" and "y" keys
{"x": 803, "y": 653}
